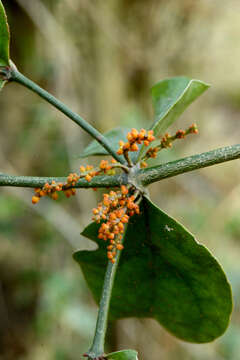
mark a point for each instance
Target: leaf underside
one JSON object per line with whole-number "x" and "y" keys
{"x": 123, "y": 355}
{"x": 4, "y": 38}
{"x": 113, "y": 136}
{"x": 163, "y": 274}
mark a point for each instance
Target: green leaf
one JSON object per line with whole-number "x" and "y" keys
{"x": 163, "y": 274}
{"x": 4, "y": 38}
{"x": 171, "y": 97}
{"x": 123, "y": 355}
{"x": 113, "y": 136}
{"x": 2, "y": 82}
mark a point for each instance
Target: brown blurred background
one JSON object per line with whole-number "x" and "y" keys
{"x": 101, "y": 58}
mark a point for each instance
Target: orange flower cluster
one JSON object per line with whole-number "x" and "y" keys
{"x": 48, "y": 189}
{"x": 87, "y": 172}
{"x": 115, "y": 211}
{"x": 166, "y": 142}
{"x": 135, "y": 137}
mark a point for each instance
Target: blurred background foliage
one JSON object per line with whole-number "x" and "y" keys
{"x": 101, "y": 58}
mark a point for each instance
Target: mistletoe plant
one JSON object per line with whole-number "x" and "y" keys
{"x": 163, "y": 272}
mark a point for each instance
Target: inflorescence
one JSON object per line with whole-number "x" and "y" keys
{"x": 134, "y": 138}
{"x": 116, "y": 208}
{"x": 87, "y": 172}
{"x": 166, "y": 142}
{"x": 114, "y": 212}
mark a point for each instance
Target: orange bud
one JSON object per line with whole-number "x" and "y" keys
{"x": 88, "y": 177}
{"x": 109, "y": 255}
{"x": 124, "y": 190}
{"x": 54, "y": 195}
{"x": 142, "y": 134}
{"x": 120, "y": 151}
{"x": 89, "y": 167}
{"x": 144, "y": 164}
{"x": 35, "y": 199}
{"x": 68, "y": 193}
{"x": 82, "y": 169}
{"x": 42, "y": 193}
{"x": 134, "y": 133}
{"x": 129, "y": 136}
{"x": 146, "y": 142}
{"x": 120, "y": 246}
{"x": 125, "y": 219}
{"x": 134, "y": 147}
{"x": 112, "y": 216}
{"x": 126, "y": 146}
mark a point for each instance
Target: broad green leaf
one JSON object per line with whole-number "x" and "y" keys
{"x": 163, "y": 274}
{"x": 114, "y": 136}
{"x": 171, "y": 97}
{"x": 4, "y": 38}
{"x": 123, "y": 355}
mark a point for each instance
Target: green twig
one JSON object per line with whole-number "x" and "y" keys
{"x": 97, "y": 348}
{"x": 150, "y": 175}
{"x": 15, "y": 75}
{"x": 35, "y": 182}
{"x": 145, "y": 176}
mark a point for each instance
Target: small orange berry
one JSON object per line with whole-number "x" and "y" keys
{"x": 82, "y": 169}
{"x": 146, "y": 142}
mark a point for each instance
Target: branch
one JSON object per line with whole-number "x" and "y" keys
{"x": 13, "y": 74}
{"x": 35, "y": 182}
{"x": 97, "y": 349}
{"x": 145, "y": 176}
{"x": 173, "y": 168}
